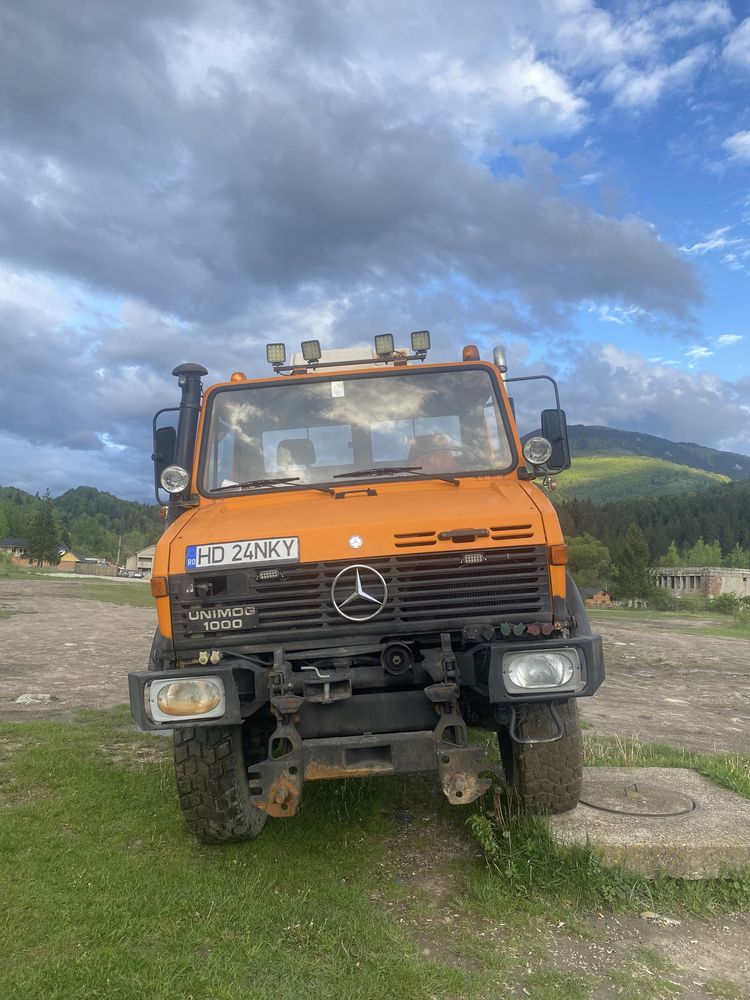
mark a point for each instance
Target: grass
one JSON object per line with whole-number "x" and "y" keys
{"x": 135, "y": 595}
{"x": 706, "y": 622}
{"x": 560, "y": 883}
{"x": 105, "y": 894}
{"x": 618, "y": 477}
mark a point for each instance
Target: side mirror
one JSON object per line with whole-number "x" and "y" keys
{"x": 555, "y": 429}
{"x": 165, "y": 445}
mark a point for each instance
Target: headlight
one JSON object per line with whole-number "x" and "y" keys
{"x": 537, "y": 450}
{"x": 175, "y": 479}
{"x": 539, "y": 670}
{"x": 191, "y": 698}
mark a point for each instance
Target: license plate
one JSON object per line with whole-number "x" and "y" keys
{"x": 253, "y": 551}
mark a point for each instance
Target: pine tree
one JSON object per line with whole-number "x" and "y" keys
{"x": 44, "y": 536}
{"x": 635, "y": 578}
{"x": 671, "y": 556}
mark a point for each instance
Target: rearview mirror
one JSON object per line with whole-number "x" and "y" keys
{"x": 555, "y": 429}
{"x": 165, "y": 445}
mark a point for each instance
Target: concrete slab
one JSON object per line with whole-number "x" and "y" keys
{"x": 643, "y": 818}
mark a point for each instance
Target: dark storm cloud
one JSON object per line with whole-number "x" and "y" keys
{"x": 228, "y": 174}
{"x": 198, "y": 189}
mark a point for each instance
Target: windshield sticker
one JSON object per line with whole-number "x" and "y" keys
{"x": 254, "y": 551}
{"x": 337, "y": 388}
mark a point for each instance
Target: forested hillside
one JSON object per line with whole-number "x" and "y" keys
{"x": 90, "y": 522}
{"x": 718, "y": 514}
{"x": 595, "y": 441}
{"x": 620, "y": 477}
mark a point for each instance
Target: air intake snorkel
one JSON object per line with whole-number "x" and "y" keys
{"x": 189, "y": 380}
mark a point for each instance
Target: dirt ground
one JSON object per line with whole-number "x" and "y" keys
{"x": 665, "y": 681}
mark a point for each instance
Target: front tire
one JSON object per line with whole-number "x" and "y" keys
{"x": 212, "y": 785}
{"x": 544, "y": 777}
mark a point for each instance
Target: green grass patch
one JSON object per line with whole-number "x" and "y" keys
{"x": 535, "y": 874}
{"x": 724, "y": 989}
{"x": 135, "y": 595}
{"x": 106, "y": 895}
{"x": 731, "y": 770}
{"x": 607, "y": 478}
{"x": 703, "y": 622}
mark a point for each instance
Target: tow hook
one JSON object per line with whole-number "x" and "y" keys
{"x": 275, "y": 784}
{"x": 459, "y": 764}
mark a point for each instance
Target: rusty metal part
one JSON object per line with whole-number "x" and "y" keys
{"x": 459, "y": 764}
{"x": 275, "y": 784}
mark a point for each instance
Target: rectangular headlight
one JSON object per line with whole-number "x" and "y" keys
{"x": 535, "y": 671}
{"x": 181, "y": 698}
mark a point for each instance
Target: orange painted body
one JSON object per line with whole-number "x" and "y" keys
{"x": 518, "y": 510}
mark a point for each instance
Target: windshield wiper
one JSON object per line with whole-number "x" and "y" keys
{"x": 392, "y": 470}
{"x": 256, "y": 482}
{"x": 272, "y": 482}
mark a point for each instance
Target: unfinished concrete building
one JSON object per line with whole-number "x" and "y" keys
{"x": 703, "y": 581}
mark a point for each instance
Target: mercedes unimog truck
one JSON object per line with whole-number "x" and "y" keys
{"x": 360, "y": 561}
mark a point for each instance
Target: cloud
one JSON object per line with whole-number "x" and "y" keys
{"x": 728, "y": 339}
{"x": 617, "y": 388}
{"x": 642, "y": 88}
{"x": 715, "y": 240}
{"x": 738, "y": 146}
{"x": 737, "y": 48}
{"x": 186, "y": 181}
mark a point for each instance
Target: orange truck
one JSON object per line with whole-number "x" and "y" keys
{"x": 358, "y": 564}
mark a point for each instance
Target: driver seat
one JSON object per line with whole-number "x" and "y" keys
{"x": 430, "y": 451}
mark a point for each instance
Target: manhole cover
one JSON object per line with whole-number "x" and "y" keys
{"x": 634, "y": 798}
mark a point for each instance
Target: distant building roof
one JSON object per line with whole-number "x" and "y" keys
{"x": 590, "y": 591}
{"x": 13, "y": 543}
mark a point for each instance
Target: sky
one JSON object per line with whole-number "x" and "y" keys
{"x": 185, "y": 181}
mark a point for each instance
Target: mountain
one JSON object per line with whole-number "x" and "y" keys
{"x": 91, "y": 522}
{"x": 593, "y": 441}
{"x": 607, "y": 478}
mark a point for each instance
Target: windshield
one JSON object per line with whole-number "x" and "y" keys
{"x": 434, "y": 421}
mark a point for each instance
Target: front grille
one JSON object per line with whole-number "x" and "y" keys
{"x": 427, "y": 591}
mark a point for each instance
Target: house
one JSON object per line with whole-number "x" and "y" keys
{"x": 14, "y": 547}
{"x": 68, "y": 560}
{"x": 142, "y": 561}
{"x": 703, "y": 581}
{"x": 595, "y": 597}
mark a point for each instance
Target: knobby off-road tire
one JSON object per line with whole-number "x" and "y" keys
{"x": 212, "y": 784}
{"x": 547, "y": 777}
{"x": 544, "y": 777}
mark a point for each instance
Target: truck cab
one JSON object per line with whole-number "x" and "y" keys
{"x": 359, "y": 563}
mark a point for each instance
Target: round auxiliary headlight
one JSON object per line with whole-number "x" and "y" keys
{"x": 537, "y": 450}
{"x": 175, "y": 479}
{"x": 540, "y": 670}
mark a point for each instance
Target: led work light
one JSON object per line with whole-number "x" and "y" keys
{"x": 311, "y": 350}
{"x": 420, "y": 341}
{"x": 384, "y": 344}
{"x": 275, "y": 354}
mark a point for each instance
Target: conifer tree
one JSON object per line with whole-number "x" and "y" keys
{"x": 635, "y": 578}
{"x": 44, "y": 536}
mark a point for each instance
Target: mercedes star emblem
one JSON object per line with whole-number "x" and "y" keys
{"x": 361, "y": 590}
